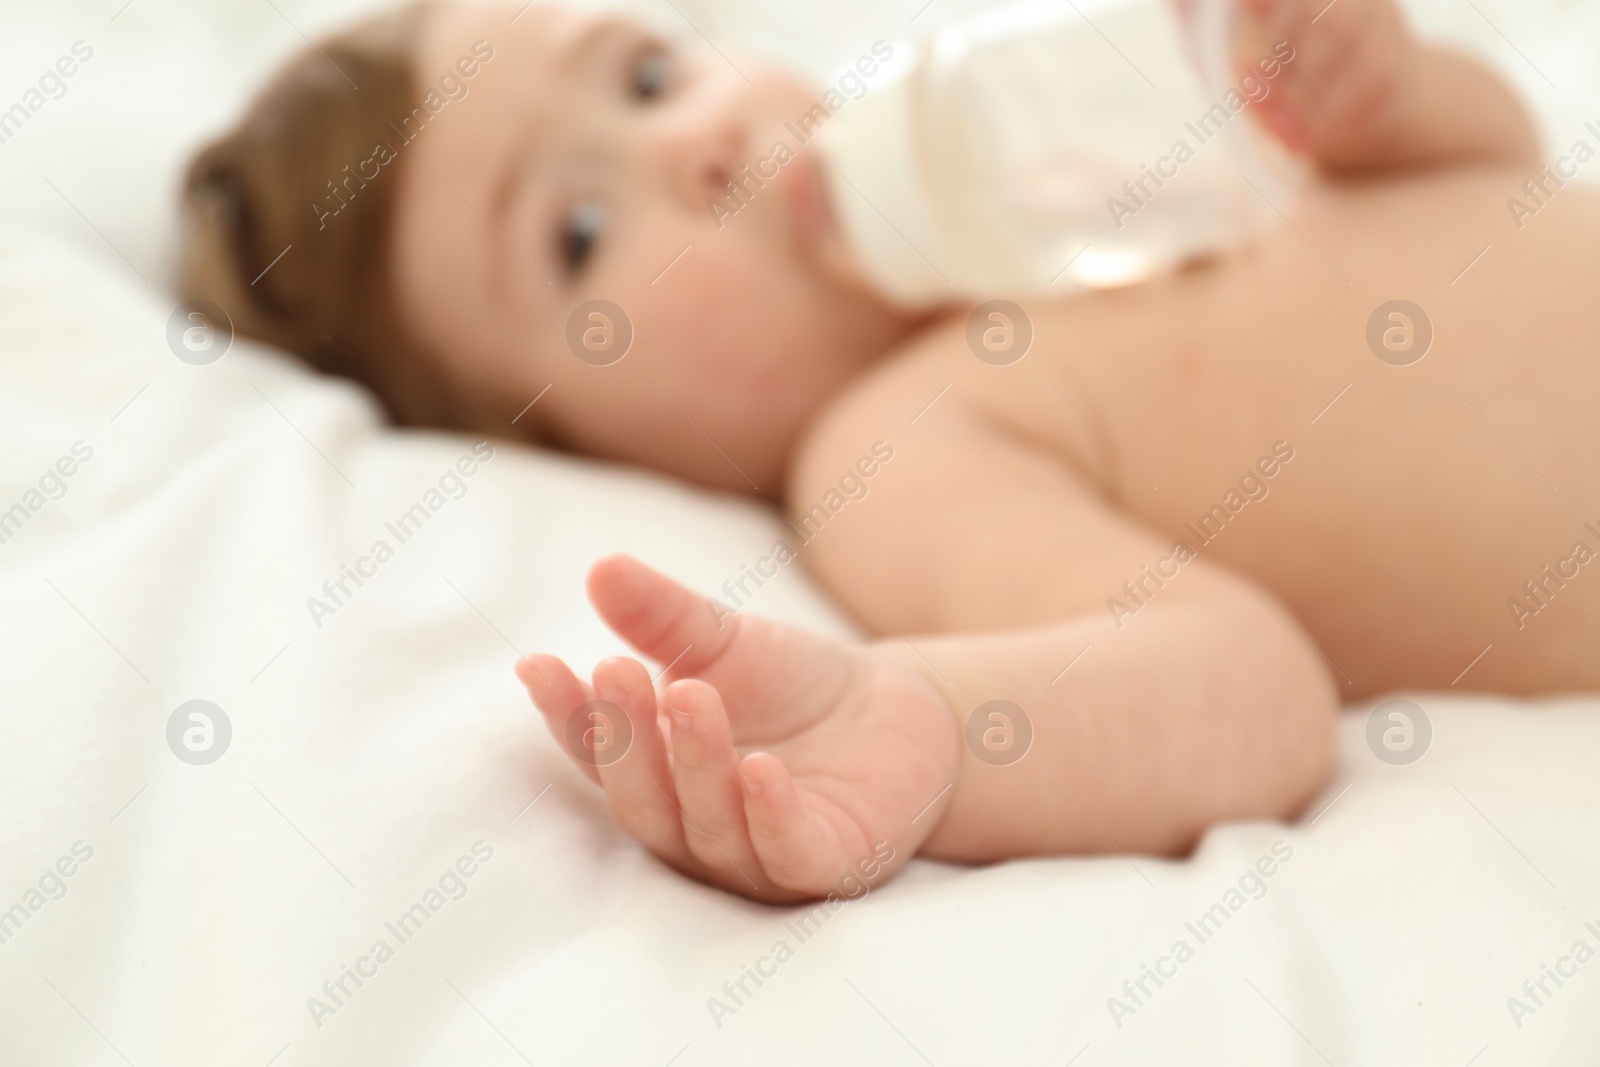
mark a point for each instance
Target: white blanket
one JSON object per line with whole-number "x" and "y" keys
{"x": 387, "y": 783}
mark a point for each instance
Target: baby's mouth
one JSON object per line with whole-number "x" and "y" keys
{"x": 811, "y": 214}
{"x": 814, "y": 224}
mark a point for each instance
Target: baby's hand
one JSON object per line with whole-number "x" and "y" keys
{"x": 778, "y": 763}
{"x": 1341, "y": 98}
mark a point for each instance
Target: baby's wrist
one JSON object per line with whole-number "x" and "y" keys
{"x": 897, "y": 657}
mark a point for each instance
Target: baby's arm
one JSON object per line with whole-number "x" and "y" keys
{"x": 1362, "y": 94}
{"x": 781, "y": 765}
{"x": 996, "y": 561}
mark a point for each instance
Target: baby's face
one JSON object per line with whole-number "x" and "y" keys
{"x": 582, "y": 164}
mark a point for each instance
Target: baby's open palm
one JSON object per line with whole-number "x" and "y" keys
{"x": 776, "y": 762}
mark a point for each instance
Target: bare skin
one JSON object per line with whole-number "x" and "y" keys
{"x": 1417, "y": 503}
{"x": 985, "y": 555}
{"x": 1372, "y": 539}
{"x": 1382, "y": 557}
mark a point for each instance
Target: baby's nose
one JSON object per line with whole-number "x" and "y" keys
{"x": 700, "y": 153}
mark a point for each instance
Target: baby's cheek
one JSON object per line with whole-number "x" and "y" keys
{"x": 716, "y": 291}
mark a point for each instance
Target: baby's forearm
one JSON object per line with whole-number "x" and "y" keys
{"x": 1191, "y": 713}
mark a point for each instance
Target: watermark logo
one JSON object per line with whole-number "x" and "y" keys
{"x": 1251, "y": 886}
{"x": 1399, "y": 333}
{"x": 199, "y": 332}
{"x": 1253, "y": 487}
{"x": 50, "y": 887}
{"x": 999, "y": 733}
{"x": 1539, "y": 990}
{"x": 1552, "y": 578}
{"x": 51, "y": 486}
{"x": 599, "y": 333}
{"x": 851, "y": 486}
{"x": 199, "y": 732}
{"x": 852, "y": 886}
{"x": 1537, "y": 192}
{"x": 452, "y": 86}
{"x": 352, "y": 577}
{"x": 1399, "y": 732}
{"x": 51, "y": 85}
{"x": 999, "y": 332}
{"x": 1253, "y": 88}
{"x": 599, "y": 733}
{"x": 451, "y": 885}
{"x": 743, "y": 187}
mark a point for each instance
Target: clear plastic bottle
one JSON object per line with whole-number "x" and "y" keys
{"x": 1035, "y": 147}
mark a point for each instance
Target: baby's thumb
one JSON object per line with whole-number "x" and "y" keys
{"x": 665, "y": 621}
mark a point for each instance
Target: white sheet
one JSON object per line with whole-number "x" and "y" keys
{"x": 370, "y": 754}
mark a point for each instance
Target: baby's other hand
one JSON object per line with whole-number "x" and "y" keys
{"x": 777, "y": 763}
{"x": 1342, "y": 96}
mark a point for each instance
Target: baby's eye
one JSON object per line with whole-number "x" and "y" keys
{"x": 579, "y": 234}
{"x": 650, "y": 74}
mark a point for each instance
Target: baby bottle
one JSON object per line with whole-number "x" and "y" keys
{"x": 1056, "y": 146}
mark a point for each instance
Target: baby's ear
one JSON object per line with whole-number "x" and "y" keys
{"x": 215, "y": 213}
{"x": 213, "y": 189}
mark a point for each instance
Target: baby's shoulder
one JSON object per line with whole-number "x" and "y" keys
{"x": 893, "y": 397}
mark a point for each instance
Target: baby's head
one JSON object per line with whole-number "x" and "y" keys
{"x": 454, "y": 181}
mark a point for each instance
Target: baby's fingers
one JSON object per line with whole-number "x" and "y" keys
{"x": 638, "y": 781}
{"x": 710, "y": 797}
{"x": 798, "y": 848}
{"x": 557, "y": 693}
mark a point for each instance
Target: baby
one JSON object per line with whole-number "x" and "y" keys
{"x": 1120, "y": 580}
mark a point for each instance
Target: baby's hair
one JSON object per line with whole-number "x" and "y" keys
{"x": 287, "y": 176}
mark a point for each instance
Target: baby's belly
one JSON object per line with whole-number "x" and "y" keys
{"x": 1422, "y": 491}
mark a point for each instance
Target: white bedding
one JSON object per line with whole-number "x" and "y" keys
{"x": 208, "y": 904}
